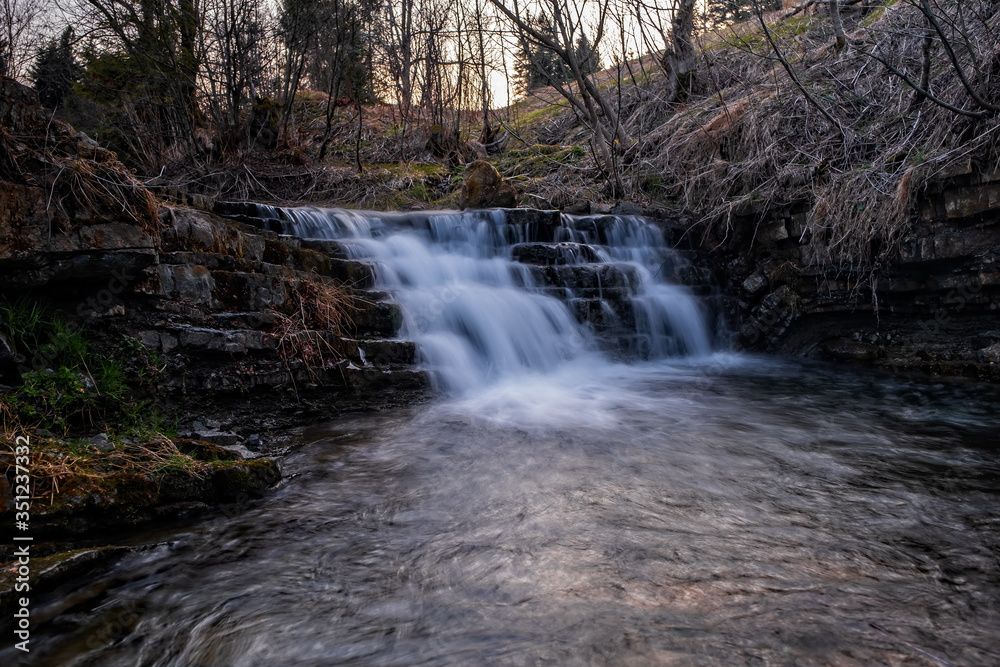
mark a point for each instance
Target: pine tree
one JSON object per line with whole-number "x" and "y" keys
{"x": 538, "y": 66}
{"x": 56, "y": 70}
{"x": 589, "y": 56}
{"x": 3, "y": 57}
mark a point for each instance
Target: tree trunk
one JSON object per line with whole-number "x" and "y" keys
{"x": 925, "y": 68}
{"x": 838, "y": 26}
{"x": 681, "y": 57}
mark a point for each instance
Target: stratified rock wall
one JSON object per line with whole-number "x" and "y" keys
{"x": 935, "y": 310}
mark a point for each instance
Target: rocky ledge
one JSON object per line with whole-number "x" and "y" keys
{"x": 935, "y": 310}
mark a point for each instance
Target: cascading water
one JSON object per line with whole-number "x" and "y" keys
{"x": 485, "y": 297}
{"x": 733, "y": 510}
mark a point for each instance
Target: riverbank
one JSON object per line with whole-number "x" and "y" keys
{"x": 160, "y": 353}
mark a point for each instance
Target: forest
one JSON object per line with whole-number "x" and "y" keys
{"x": 712, "y": 108}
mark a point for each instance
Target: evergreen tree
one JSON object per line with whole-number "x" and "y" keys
{"x": 56, "y": 70}
{"x": 589, "y": 56}
{"x": 3, "y": 57}
{"x": 540, "y": 66}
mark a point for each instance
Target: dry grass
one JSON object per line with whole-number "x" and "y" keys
{"x": 52, "y": 462}
{"x": 757, "y": 142}
{"x": 318, "y": 314}
{"x": 749, "y": 140}
{"x": 85, "y": 181}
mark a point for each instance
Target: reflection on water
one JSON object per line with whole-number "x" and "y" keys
{"x": 735, "y": 511}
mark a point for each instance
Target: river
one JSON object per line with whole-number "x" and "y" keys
{"x": 555, "y": 505}
{"x": 737, "y": 510}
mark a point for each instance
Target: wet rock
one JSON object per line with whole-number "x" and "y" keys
{"x": 254, "y": 442}
{"x": 627, "y": 208}
{"x": 771, "y": 319}
{"x": 754, "y": 285}
{"x": 978, "y": 342}
{"x": 378, "y": 319}
{"x": 846, "y": 349}
{"x": 547, "y": 254}
{"x": 483, "y": 187}
{"x": 101, "y": 442}
{"x": 990, "y": 354}
{"x": 221, "y": 438}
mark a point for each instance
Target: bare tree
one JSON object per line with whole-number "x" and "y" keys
{"x": 682, "y": 64}
{"x": 585, "y": 98}
{"x": 21, "y": 35}
{"x": 398, "y": 41}
{"x": 840, "y": 39}
{"x": 974, "y": 61}
{"x": 235, "y": 62}
{"x": 484, "y": 55}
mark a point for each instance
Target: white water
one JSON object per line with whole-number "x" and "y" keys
{"x": 477, "y": 316}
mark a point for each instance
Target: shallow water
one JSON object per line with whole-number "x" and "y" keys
{"x": 730, "y": 510}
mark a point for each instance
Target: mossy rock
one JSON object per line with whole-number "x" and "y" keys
{"x": 86, "y": 503}
{"x": 483, "y": 187}
{"x": 48, "y": 572}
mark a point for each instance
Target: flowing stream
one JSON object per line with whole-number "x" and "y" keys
{"x": 558, "y": 506}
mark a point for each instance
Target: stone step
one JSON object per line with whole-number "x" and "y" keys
{"x": 380, "y": 352}
{"x": 519, "y": 224}
{"x": 332, "y": 249}
{"x": 248, "y": 320}
{"x": 552, "y": 254}
{"x": 693, "y": 276}
{"x": 377, "y": 319}
{"x": 353, "y": 273}
{"x": 604, "y": 315}
{"x": 576, "y": 276}
{"x": 607, "y": 293}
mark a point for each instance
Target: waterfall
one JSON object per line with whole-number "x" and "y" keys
{"x": 493, "y": 293}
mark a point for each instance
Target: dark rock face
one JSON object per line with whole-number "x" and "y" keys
{"x": 483, "y": 187}
{"x": 936, "y": 310}
{"x": 35, "y": 251}
{"x": 129, "y": 499}
{"x": 204, "y": 294}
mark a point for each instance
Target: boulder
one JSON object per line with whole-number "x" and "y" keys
{"x": 485, "y": 188}
{"x": 477, "y": 150}
{"x": 991, "y": 354}
{"x": 101, "y": 442}
{"x": 626, "y": 208}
